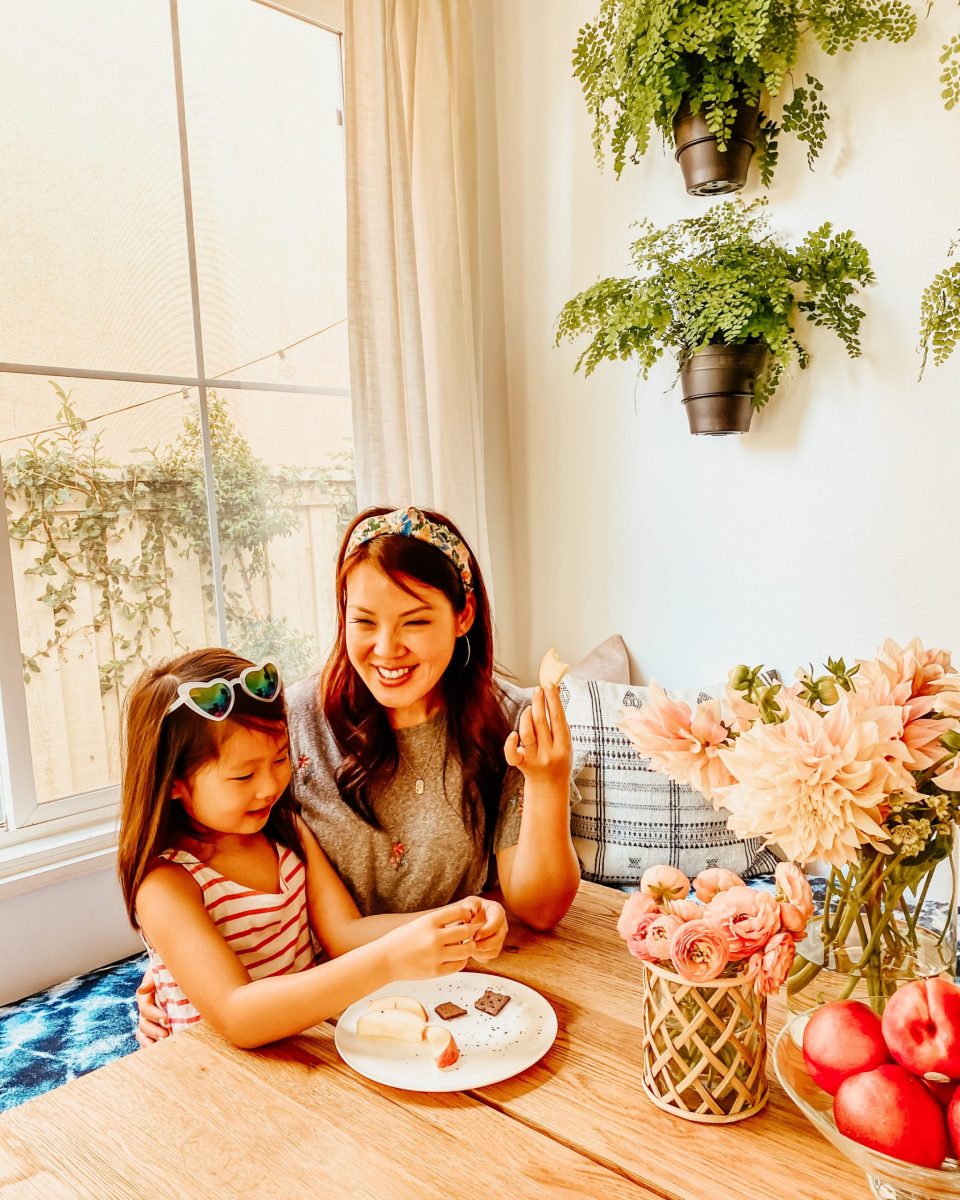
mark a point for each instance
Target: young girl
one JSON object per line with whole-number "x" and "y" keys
{"x": 225, "y": 881}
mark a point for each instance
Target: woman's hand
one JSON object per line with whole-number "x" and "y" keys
{"x": 542, "y": 749}
{"x": 440, "y": 942}
{"x": 151, "y": 1023}
{"x": 490, "y": 936}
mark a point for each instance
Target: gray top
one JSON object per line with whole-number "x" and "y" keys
{"x": 423, "y": 856}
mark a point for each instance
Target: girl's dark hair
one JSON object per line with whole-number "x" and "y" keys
{"x": 159, "y": 748}
{"x": 476, "y": 722}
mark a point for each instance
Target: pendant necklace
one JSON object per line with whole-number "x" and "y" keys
{"x": 419, "y": 775}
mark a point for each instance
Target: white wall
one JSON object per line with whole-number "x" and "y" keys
{"x": 832, "y": 524}
{"x": 61, "y": 930}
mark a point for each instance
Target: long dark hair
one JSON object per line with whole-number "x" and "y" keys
{"x": 160, "y": 747}
{"x": 476, "y": 722}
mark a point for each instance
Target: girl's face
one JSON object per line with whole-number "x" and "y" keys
{"x": 233, "y": 794}
{"x": 401, "y": 644}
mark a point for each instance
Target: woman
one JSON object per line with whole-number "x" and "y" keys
{"x": 423, "y": 778}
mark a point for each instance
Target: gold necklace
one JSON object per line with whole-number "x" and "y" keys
{"x": 419, "y": 775}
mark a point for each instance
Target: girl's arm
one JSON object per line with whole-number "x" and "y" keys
{"x": 539, "y": 876}
{"x": 339, "y": 927}
{"x": 253, "y": 1012}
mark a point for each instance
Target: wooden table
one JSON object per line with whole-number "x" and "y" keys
{"x": 195, "y": 1117}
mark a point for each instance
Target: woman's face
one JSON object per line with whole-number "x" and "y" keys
{"x": 400, "y": 643}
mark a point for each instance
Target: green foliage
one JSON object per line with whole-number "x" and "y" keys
{"x": 68, "y": 500}
{"x": 722, "y": 278}
{"x": 940, "y": 313}
{"x": 639, "y": 59}
{"x": 950, "y": 75}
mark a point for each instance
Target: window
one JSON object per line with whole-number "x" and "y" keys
{"x": 175, "y": 427}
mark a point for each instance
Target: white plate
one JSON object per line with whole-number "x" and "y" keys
{"x": 491, "y": 1048}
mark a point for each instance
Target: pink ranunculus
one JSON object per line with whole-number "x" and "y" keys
{"x": 664, "y": 883}
{"x": 637, "y": 905}
{"x": 685, "y": 910}
{"x": 748, "y": 917}
{"x": 775, "y": 960}
{"x": 715, "y": 879}
{"x": 682, "y": 744}
{"x": 699, "y": 951}
{"x": 796, "y": 899}
{"x": 637, "y": 942}
{"x": 660, "y": 932}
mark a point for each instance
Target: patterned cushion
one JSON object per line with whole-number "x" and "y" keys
{"x": 630, "y": 818}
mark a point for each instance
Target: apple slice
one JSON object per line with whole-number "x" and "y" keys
{"x": 445, "y": 1049}
{"x": 552, "y": 670}
{"x": 394, "y": 1023}
{"x": 404, "y": 1003}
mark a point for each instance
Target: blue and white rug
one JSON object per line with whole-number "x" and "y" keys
{"x": 68, "y": 1030}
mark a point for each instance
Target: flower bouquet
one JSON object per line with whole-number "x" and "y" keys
{"x": 708, "y": 966}
{"x": 856, "y": 768}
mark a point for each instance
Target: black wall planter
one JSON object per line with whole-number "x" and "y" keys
{"x": 718, "y": 386}
{"x": 708, "y": 171}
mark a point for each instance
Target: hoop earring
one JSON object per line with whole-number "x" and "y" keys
{"x": 467, "y": 659}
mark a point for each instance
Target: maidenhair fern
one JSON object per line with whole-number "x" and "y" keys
{"x": 639, "y": 59}
{"x": 722, "y": 277}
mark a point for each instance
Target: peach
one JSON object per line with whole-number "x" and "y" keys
{"x": 890, "y": 1110}
{"x": 406, "y": 1003}
{"x": 842, "y": 1038}
{"x": 921, "y": 1026}
{"x": 444, "y": 1048}
{"x": 953, "y": 1122}
{"x": 394, "y": 1023}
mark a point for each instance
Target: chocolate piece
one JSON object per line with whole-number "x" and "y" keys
{"x": 491, "y": 1002}
{"x": 448, "y": 1010}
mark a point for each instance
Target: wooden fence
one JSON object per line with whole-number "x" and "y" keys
{"x": 74, "y": 729}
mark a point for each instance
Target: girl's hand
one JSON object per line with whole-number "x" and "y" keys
{"x": 151, "y": 1024}
{"x": 490, "y": 936}
{"x": 540, "y": 750}
{"x": 440, "y": 942}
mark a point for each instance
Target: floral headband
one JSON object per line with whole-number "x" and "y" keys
{"x": 411, "y": 522}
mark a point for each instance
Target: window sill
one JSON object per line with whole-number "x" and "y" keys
{"x": 51, "y": 857}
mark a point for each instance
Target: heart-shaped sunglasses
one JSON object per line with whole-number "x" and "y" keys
{"x": 213, "y": 698}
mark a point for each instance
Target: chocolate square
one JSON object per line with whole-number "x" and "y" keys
{"x": 491, "y": 1002}
{"x": 448, "y": 1010}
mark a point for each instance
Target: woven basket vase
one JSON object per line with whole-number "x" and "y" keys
{"x": 704, "y": 1047}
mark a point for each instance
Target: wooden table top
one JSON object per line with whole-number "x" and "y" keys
{"x": 193, "y": 1117}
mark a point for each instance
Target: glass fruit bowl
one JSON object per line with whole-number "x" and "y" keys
{"x": 889, "y": 1178}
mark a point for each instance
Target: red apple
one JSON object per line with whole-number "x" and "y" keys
{"x": 921, "y": 1026}
{"x": 840, "y": 1039}
{"x": 890, "y": 1110}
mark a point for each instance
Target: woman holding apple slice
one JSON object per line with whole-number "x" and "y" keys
{"x": 424, "y": 778}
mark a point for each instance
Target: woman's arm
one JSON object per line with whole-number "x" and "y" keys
{"x": 253, "y": 1012}
{"x": 539, "y": 876}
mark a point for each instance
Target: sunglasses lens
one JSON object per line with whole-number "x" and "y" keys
{"x": 212, "y": 698}
{"x": 263, "y": 683}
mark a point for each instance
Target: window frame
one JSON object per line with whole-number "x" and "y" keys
{"x": 77, "y": 833}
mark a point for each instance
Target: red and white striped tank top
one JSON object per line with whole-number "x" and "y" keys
{"x": 268, "y": 931}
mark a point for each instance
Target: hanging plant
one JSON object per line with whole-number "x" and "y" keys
{"x": 940, "y": 313}
{"x": 705, "y": 285}
{"x": 641, "y": 61}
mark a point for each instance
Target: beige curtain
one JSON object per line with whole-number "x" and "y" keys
{"x": 423, "y": 259}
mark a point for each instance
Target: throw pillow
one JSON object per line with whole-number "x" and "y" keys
{"x": 630, "y": 818}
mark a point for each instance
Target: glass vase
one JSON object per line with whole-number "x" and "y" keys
{"x": 882, "y": 922}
